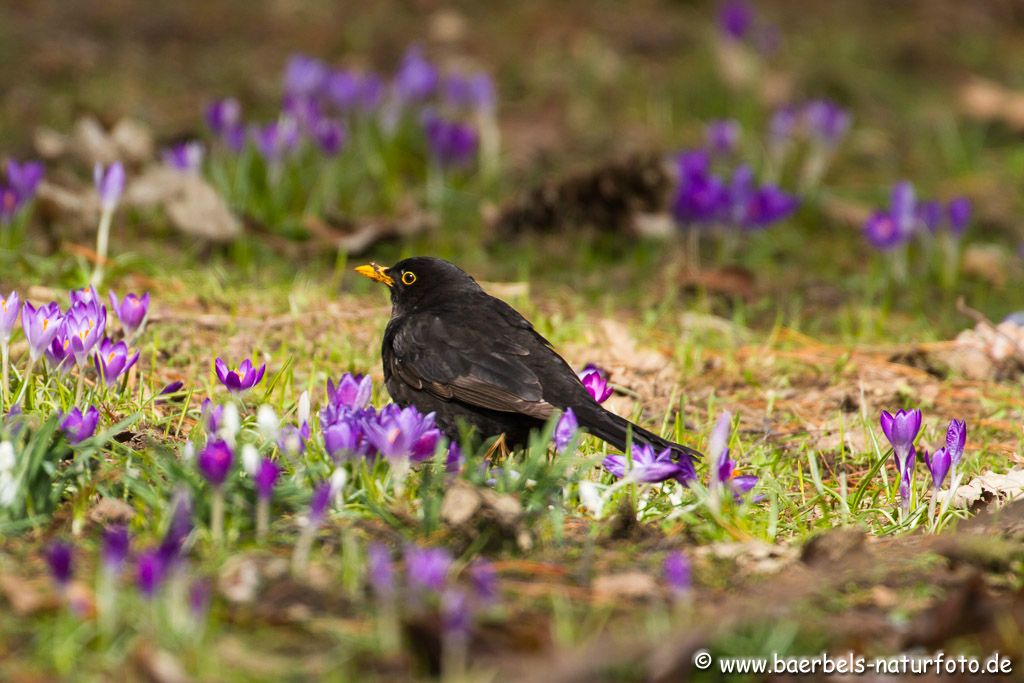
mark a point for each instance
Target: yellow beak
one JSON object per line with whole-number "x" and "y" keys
{"x": 376, "y": 272}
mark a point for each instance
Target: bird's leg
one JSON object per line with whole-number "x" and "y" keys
{"x": 498, "y": 451}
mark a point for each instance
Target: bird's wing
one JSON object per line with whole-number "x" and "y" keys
{"x": 474, "y": 363}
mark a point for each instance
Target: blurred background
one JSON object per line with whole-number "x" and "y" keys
{"x": 542, "y": 140}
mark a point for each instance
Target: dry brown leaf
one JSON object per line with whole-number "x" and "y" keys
{"x": 200, "y": 211}
{"x": 239, "y": 580}
{"x": 990, "y": 486}
{"x": 988, "y": 101}
{"x": 28, "y": 596}
{"x": 192, "y": 204}
{"x": 160, "y": 666}
{"x": 626, "y": 586}
{"x": 111, "y": 511}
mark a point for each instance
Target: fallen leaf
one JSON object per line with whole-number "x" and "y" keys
{"x": 239, "y": 580}
{"x": 990, "y": 487}
{"x": 625, "y": 586}
{"x": 28, "y": 596}
{"x": 111, "y": 511}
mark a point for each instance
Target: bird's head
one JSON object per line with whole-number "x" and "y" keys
{"x": 420, "y": 281}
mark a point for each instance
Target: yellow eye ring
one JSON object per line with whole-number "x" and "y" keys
{"x": 408, "y": 278}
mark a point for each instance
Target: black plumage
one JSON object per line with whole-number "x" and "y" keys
{"x": 452, "y": 349}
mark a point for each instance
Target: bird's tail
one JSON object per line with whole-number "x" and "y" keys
{"x": 615, "y": 430}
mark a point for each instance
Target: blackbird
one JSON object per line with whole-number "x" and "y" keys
{"x": 453, "y": 350}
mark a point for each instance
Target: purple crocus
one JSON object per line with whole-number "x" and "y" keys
{"x": 180, "y": 526}
{"x": 150, "y": 568}
{"x": 58, "y": 353}
{"x": 199, "y": 596}
{"x": 596, "y": 385}
{"x": 678, "y": 575}
{"x": 185, "y": 156}
{"x": 116, "y": 546}
{"x": 214, "y": 462}
{"x": 722, "y": 136}
{"x": 474, "y": 92}
{"x": 342, "y": 437}
{"x": 956, "y": 439}
{"x": 318, "y": 503}
{"x": 266, "y": 478}
{"x": 304, "y": 75}
{"x": 224, "y": 118}
{"x": 352, "y": 392}
{"x": 901, "y": 430}
{"x": 959, "y": 210}
{"x": 826, "y": 122}
{"x": 417, "y": 78}
{"x": 224, "y": 115}
{"x": 78, "y": 426}
{"x": 24, "y": 178}
{"x": 427, "y": 568}
{"x": 648, "y": 467}
{"x": 782, "y": 126}
{"x": 112, "y": 361}
{"x": 723, "y": 468}
{"x": 109, "y": 184}
{"x": 938, "y": 465}
{"x": 454, "y": 460}
{"x": 485, "y": 580}
{"x": 212, "y": 416}
{"x": 292, "y": 438}
{"x": 767, "y": 205}
{"x": 343, "y": 89}
{"x": 565, "y": 430}
{"x": 10, "y": 306}
{"x": 929, "y": 215}
{"x": 60, "y": 560}
{"x": 403, "y": 433}
{"x": 276, "y": 139}
{"x": 883, "y": 232}
{"x": 902, "y": 205}
{"x": 83, "y": 327}
{"x": 40, "y": 325}
{"x": 330, "y": 136}
{"x": 380, "y": 570}
{"x": 242, "y": 379}
{"x": 456, "y": 615}
{"x": 735, "y": 19}
{"x": 451, "y": 144}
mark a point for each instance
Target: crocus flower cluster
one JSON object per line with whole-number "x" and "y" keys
{"x": 907, "y": 217}
{"x": 821, "y": 123}
{"x": 451, "y": 143}
{"x": 185, "y": 156}
{"x": 22, "y": 181}
{"x": 152, "y": 566}
{"x": 704, "y": 200}
{"x": 321, "y": 104}
{"x": 649, "y": 466}
{"x": 901, "y": 429}
{"x": 351, "y": 427}
{"x": 69, "y": 339}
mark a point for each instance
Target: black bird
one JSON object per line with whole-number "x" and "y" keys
{"x": 454, "y": 350}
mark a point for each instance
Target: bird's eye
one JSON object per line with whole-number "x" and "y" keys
{"x": 408, "y": 278}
